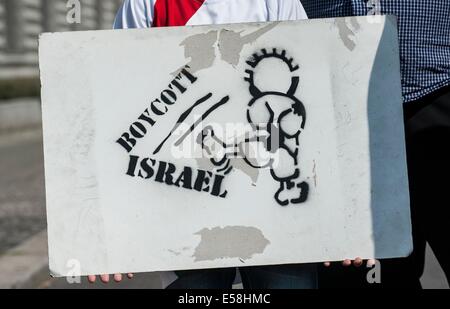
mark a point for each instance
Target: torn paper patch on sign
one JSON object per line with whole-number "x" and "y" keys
{"x": 224, "y": 146}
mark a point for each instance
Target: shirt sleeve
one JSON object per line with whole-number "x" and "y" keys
{"x": 134, "y": 14}
{"x": 291, "y": 10}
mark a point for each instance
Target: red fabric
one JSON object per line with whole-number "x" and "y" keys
{"x": 175, "y": 12}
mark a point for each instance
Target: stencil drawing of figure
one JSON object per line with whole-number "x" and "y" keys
{"x": 277, "y": 119}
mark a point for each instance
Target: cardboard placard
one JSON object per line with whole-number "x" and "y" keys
{"x": 223, "y": 146}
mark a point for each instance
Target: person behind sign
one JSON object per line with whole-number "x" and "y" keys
{"x": 424, "y": 34}
{"x": 162, "y": 13}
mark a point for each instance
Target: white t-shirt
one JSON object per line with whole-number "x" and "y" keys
{"x": 155, "y": 13}
{"x": 148, "y": 13}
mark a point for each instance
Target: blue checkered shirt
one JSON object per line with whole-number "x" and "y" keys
{"x": 424, "y": 30}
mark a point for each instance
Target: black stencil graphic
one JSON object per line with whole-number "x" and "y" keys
{"x": 271, "y": 139}
{"x": 165, "y": 172}
{"x": 277, "y": 119}
{"x": 182, "y": 119}
{"x": 199, "y": 121}
{"x": 186, "y": 114}
{"x": 281, "y": 124}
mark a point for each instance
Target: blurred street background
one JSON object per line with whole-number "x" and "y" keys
{"x": 23, "y": 248}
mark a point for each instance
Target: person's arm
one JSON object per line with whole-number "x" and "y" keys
{"x": 135, "y": 14}
{"x": 290, "y": 10}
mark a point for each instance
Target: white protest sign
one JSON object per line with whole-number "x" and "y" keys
{"x": 223, "y": 146}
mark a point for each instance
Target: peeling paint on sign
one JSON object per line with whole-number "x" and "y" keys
{"x": 201, "y": 48}
{"x": 230, "y": 242}
{"x": 231, "y": 42}
{"x": 347, "y": 32}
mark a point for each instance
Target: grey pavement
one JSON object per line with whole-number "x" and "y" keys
{"x": 22, "y": 196}
{"x": 22, "y": 218}
{"x": 17, "y": 114}
{"x": 25, "y": 265}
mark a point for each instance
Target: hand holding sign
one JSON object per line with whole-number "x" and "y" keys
{"x": 358, "y": 262}
{"x": 105, "y": 278}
